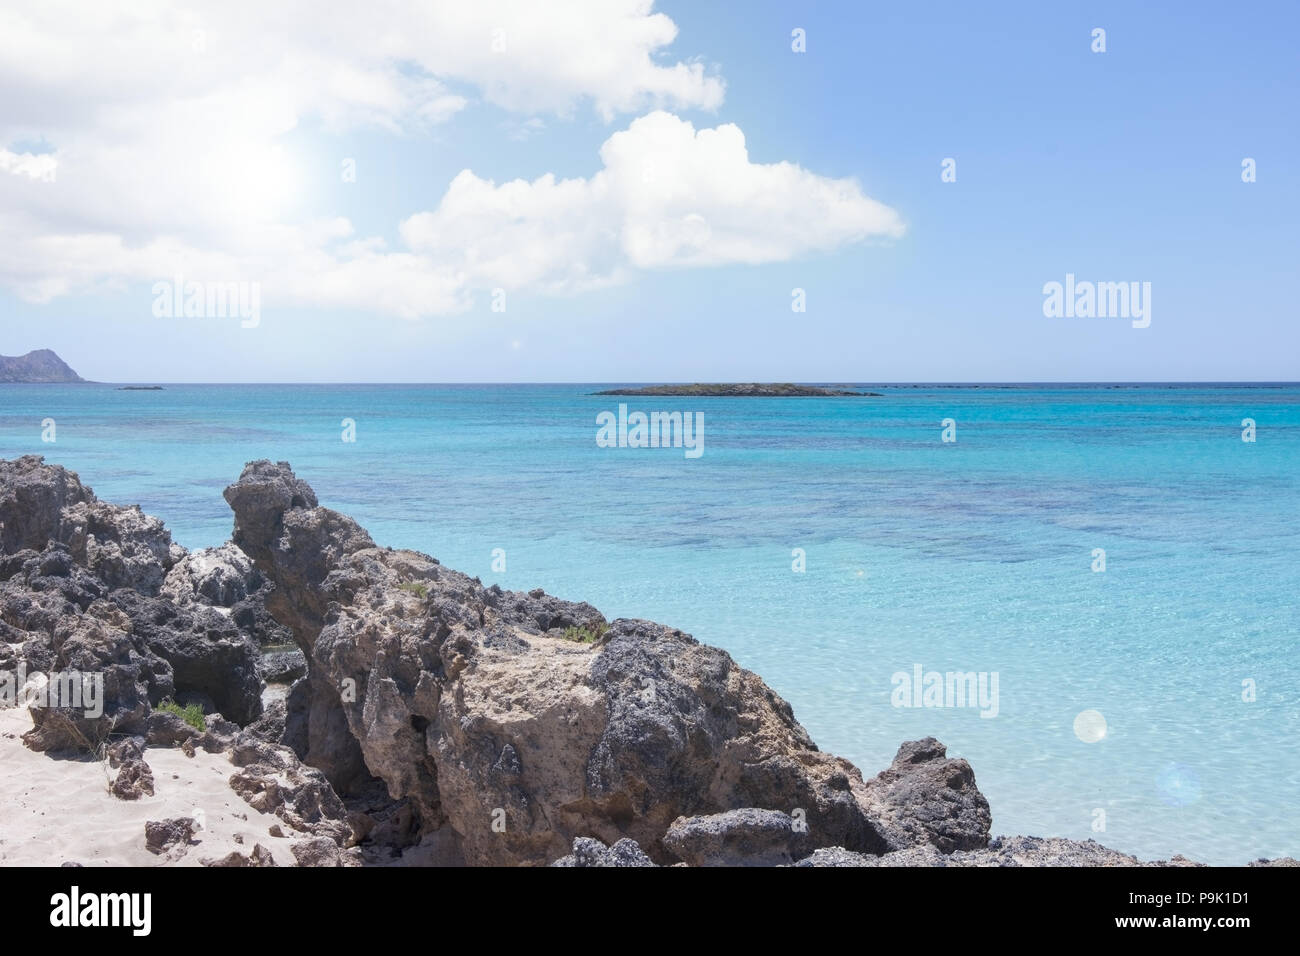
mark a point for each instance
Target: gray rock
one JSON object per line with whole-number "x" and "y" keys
{"x": 926, "y": 798}
{"x": 283, "y": 667}
{"x": 322, "y": 851}
{"x": 161, "y": 836}
{"x": 208, "y": 655}
{"x": 747, "y": 837}
{"x": 133, "y": 781}
{"x": 1003, "y": 851}
{"x": 221, "y": 577}
{"x": 260, "y": 856}
{"x": 838, "y": 856}
{"x": 409, "y": 663}
{"x": 589, "y": 852}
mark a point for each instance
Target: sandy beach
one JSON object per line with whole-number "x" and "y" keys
{"x": 61, "y": 811}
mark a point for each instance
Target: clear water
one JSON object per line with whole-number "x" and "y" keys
{"x": 969, "y": 556}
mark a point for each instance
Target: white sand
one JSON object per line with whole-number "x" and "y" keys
{"x": 52, "y": 811}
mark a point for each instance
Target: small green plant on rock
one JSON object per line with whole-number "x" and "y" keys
{"x": 586, "y": 635}
{"x": 192, "y": 715}
{"x": 414, "y": 587}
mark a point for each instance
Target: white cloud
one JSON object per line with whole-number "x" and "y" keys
{"x": 167, "y": 121}
{"x": 43, "y": 166}
{"x": 667, "y": 196}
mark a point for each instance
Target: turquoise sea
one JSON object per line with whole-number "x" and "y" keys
{"x": 970, "y": 556}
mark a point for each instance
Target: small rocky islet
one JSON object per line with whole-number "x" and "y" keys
{"x": 741, "y": 390}
{"x": 433, "y": 720}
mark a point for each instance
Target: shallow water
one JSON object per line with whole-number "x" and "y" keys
{"x": 972, "y": 556}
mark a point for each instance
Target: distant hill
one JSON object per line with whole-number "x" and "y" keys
{"x": 41, "y": 366}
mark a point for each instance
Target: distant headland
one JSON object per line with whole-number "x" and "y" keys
{"x": 741, "y": 389}
{"x": 39, "y": 367}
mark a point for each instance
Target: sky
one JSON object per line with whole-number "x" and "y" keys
{"x": 621, "y": 191}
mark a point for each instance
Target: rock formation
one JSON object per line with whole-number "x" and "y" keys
{"x": 440, "y": 721}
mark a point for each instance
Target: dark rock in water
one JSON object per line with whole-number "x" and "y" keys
{"x": 39, "y": 367}
{"x": 589, "y": 852}
{"x": 163, "y": 835}
{"x": 741, "y": 390}
{"x": 926, "y": 798}
{"x": 747, "y": 837}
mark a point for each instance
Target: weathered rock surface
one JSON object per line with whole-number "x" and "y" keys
{"x": 589, "y": 852}
{"x": 1003, "y": 851}
{"x": 747, "y": 837}
{"x": 163, "y": 836}
{"x": 926, "y": 798}
{"x": 224, "y": 578}
{"x": 469, "y": 702}
{"x": 271, "y": 779}
{"x": 260, "y": 856}
{"x": 440, "y": 722}
{"x": 81, "y": 586}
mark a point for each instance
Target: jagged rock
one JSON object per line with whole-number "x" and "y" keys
{"x": 1280, "y": 861}
{"x": 259, "y": 857}
{"x": 589, "y": 852}
{"x": 221, "y": 577}
{"x": 122, "y": 547}
{"x": 207, "y": 653}
{"x": 270, "y": 726}
{"x": 746, "y": 837}
{"x": 926, "y": 798}
{"x": 1003, "y": 851}
{"x": 134, "y": 778}
{"x": 838, "y": 856}
{"x": 271, "y": 779}
{"x": 224, "y": 578}
{"x": 468, "y": 701}
{"x": 93, "y": 651}
{"x": 283, "y": 667}
{"x": 162, "y": 836}
{"x": 164, "y": 729}
{"x": 322, "y": 851}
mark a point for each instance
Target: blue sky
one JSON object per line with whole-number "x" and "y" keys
{"x": 1115, "y": 166}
